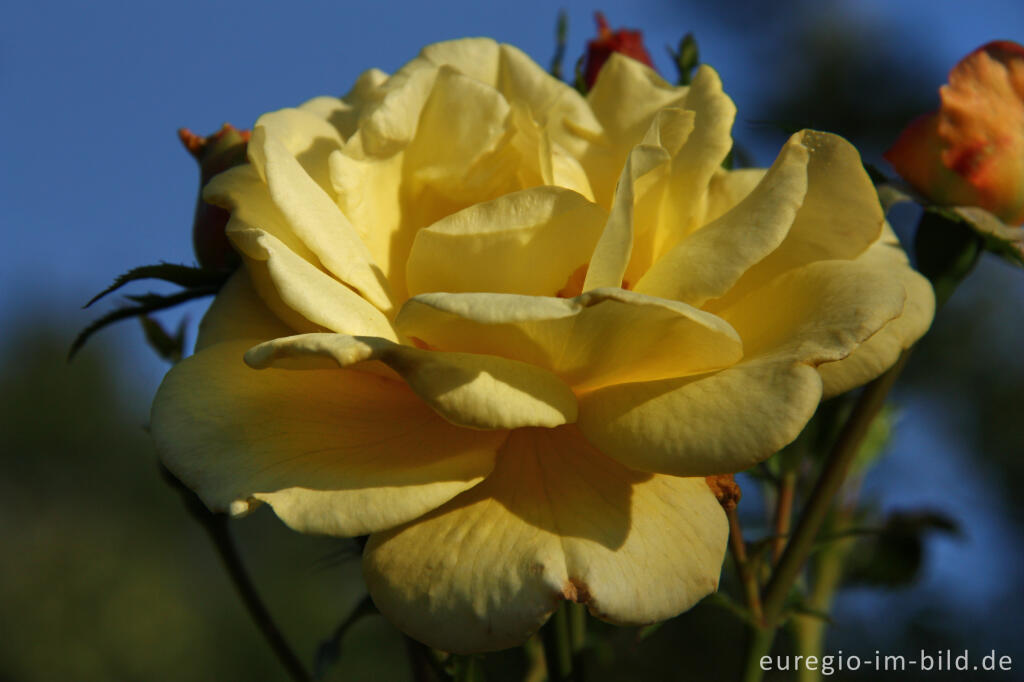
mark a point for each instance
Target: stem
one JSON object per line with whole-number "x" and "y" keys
{"x": 738, "y": 549}
{"x": 836, "y": 467}
{"x": 760, "y": 645}
{"x": 419, "y": 660}
{"x": 808, "y": 631}
{"x": 783, "y": 513}
{"x": 216, "y": 527}
{"x": 558, "y": 646}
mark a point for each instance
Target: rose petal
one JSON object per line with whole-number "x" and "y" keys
{"x": 880, "y": 352}
{"x": 238, "y": 313}
{"x": 556, "y": 520}
{"x": 611, "y": 257}
{"x": 709, "y": 262}
{"x": 307, "y": 137}
{"x": 316, "y": 220}
{"x": 527, "y": 242}
{"x": 600, "y": 337}
{"x": 338, "y": 452}
{"x": 300, "y": 294}
{"x": 729, "y": 420}
{"x": 475, "y": 391}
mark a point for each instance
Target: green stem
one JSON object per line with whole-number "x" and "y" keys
{"x": 783, "y": 513}
{"x": 761, "y": 640}
{"x": 836, "y": 467}
{"x": 558, "y": 646}
{"x": 216, "y": 527}
{"x": 809, "y": 631}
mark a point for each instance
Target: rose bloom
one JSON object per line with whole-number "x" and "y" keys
{"x": 507, "y": 330}
{"x": 970, "y": 152}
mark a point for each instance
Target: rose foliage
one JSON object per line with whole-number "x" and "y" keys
{"x": 507, "y": 330}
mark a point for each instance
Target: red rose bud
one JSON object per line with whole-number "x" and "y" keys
{"x": 970, "y": 152}
{"x": 623, "y": 41}
{"x": 215, "y": 153}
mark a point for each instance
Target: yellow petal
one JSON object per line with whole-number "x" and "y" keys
{"x": 475, "y": 391}
{"x": 527, "y": 242}
{"x": 238, "y": 313}
{"x": 369, "y": 194}
{"x": 344, "y": 113}
{"x": 666, "y": 133}
{"x": 316, "y": 220}
{"x": 707, "y": 263}
{"x": 307, "y": 137}
{"x": 622, "y": 79}
{"x": 729, "y": 420}
{"x": 600, "y": 337}
{"x": 698, "y": 160}
{"x": 840, "y": 216}
{"x": 880, "y": 352}
{"x": 556, "y": 520}
{"x": 728, "y": 188}
{"x": 338, "y": 452}
{"x": 300, "y": 294}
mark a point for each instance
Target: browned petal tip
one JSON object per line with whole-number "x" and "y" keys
{"x": 725, "y": 489}
{"x": 576, "y": 590}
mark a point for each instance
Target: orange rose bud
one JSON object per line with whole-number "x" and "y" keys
{"x": 970, "y": 152}
{"x": 624, "y": 41}
{"x": 215, "y": 153}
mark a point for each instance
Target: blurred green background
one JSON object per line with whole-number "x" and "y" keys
{"x": 105, "y": 577}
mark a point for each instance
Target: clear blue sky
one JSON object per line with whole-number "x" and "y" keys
{"x": 94, "y": 181}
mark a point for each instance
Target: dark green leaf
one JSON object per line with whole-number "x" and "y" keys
{"x": 892, "y": 557}
{"x": 145, "y": 304}
{"x": 170, "y": 348}
{"x": 686, "y": 58}
{"x": 186, "y": 276}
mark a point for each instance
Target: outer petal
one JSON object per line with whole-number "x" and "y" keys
{"x": 338, "y": 452}
{"x": 528, "y": 242}
{"x": 316, "y": 220}
{"x": 730, "y": 420}
{"x": 710, "y": 261}
{"x": 840, "y": 216}
{"x": 556, "y": 520}
{"x": 600, "y": 337}
{"x": 880, "y": 352}
{"x": 475, "y": 391}
{"x": 300, "y": 294}
{"x": 307, "y": 137}
{"x": 238, "y": 313}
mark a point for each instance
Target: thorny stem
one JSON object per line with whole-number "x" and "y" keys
{"x": 738, "y": 549}
{"x": 216, "y": 527}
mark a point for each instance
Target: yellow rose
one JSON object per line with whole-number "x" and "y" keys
{"x": 506, "y": 330}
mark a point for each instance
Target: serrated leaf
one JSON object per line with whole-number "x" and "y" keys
{"x": 186, "y": 276}
{"x": 145, "y": 304}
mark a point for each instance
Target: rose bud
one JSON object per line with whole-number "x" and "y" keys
{"x": 215, "y": 153}
{"x": 623, "y": 41}
{"x": 970, "y": 152}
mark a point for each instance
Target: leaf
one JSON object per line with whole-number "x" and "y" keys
{"x": 145, "y": 304}
{"x": 186, "y": 276}
{"x": 170, "y": 348}
{"x": 893, "y": 557}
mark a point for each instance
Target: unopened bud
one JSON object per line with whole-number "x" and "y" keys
{"x": 215, "y": 153}
{"x": 623, "y": 41}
